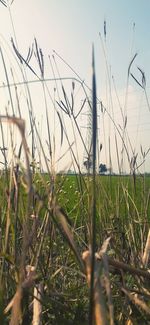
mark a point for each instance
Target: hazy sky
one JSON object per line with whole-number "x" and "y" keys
{"x": 70, "y": 27}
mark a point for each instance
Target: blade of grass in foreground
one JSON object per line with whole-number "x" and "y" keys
{"x": 93, "y": 217}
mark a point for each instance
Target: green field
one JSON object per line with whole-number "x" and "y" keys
{"x": 118, "y": 198}
{"x": 53, "y": 233}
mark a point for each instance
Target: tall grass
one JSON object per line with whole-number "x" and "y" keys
{"x": 74, "y": 249}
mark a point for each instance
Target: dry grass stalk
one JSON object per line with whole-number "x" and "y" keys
{"x": 16, "y": 314}
{"x": 117, "y": 265}
{"x": 100, "y": 312}
{"x": 15, "y": 303}
{"x": 102, "y": 254}
{"x": 108, "y": 288}
{"x": 63, "y": 221}
{"x": 135, "y": 300}
{"x": 146, "y": 254}
{"x": 129, "y": 322}
{"x": 37, "y": 306}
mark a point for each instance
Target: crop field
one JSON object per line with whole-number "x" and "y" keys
{"x": 117, "y": 190}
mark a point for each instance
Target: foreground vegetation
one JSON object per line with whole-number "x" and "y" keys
{"x": 50, "y": 242}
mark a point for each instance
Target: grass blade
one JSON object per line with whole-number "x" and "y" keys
{"x": 93, "y": 221}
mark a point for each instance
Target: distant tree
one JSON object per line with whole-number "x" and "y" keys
{"x": 102, "y": 169}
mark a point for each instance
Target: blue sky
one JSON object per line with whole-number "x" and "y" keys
{"x": 71, "y": 26}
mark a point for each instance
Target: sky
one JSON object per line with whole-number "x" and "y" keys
{"x": 70, "y": 27}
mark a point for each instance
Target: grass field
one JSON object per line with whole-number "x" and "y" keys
{"x": 57, "y": 237}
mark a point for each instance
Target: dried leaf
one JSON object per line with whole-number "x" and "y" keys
{"x": 62, "y": 220}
